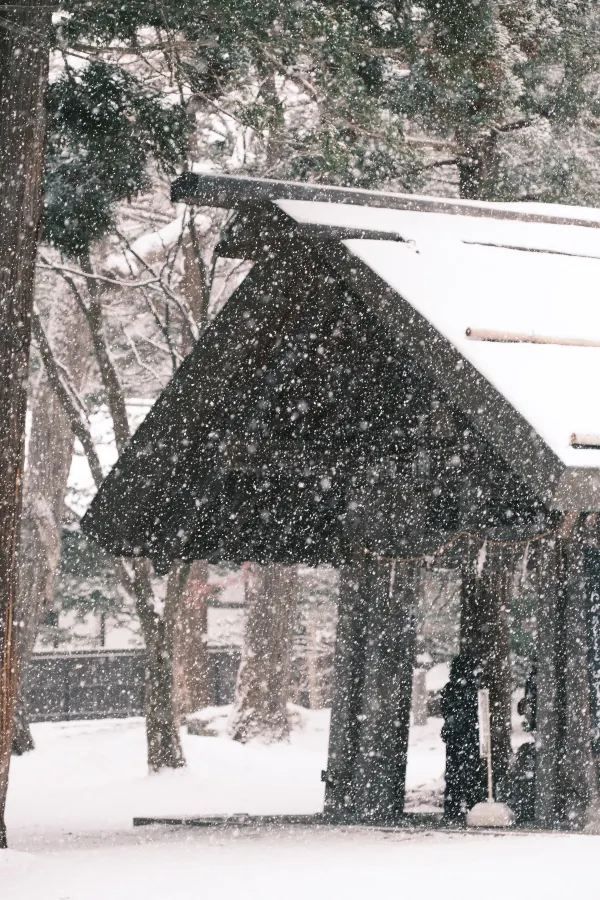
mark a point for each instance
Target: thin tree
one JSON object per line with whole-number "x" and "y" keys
{"x": 49, "y": 456}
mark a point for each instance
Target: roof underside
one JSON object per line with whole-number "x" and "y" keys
{"x": 338, "y": 401}
{"x": 529, "y": 290}
{"x": 298, "y": 430}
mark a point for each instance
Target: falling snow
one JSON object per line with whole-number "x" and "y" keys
{"x": 300, "y": 456}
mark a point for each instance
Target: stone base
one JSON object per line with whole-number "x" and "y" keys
{"x": 490, "y": 815}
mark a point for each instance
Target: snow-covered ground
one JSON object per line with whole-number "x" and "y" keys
{"x": 72, "y": 801}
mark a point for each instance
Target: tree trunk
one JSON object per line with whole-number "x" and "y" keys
{"x": 49, "y": 456}
{"x": 23, "y": 79}
{"x": 374, "y": 659}
{"x": 478, "y": 165}
{"x": 191, "y": 670}
{"x": 192, "y": 688}
{"x": 162, "y": 724}
{"x": 162, "y": 727}
{"x": 39, "y": 559}
{"x": 262, "y": 690}
{"x": 485, "y": 635}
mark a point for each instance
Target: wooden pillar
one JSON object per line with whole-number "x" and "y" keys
{"x": 375, "y": 649}
{"x": 566, "y": 779}
{"x": 485, "y": 635}
{"x": 548, "y": 580}
{"x": 347, "y": 690}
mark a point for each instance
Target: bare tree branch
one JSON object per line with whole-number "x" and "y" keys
{"x": 68, "y": 399}
{"x": 115, "y": 396}
{"x": 143, "y": 365}
{"x": 89, "y": 276}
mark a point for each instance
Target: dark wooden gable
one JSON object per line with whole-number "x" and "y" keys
{"x": 299, "y": 429}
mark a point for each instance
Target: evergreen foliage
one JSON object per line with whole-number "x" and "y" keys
{"x": 104, "y": 128}
{"x": 514, "y": 86}
{"x": 510, "y": 86}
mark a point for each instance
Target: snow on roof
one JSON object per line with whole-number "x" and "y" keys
{"x": 462, "y": 273}
{"x": 424, "y": 227}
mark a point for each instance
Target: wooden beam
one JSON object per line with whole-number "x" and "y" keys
{"x": 257, "y": 235}
{"x": 585, "y": 441}
{"x": 521, "y": 249}
{"x": 234, "y": 191}
{"x": 516, "y": 337}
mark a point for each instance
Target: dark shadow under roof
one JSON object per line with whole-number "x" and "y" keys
{"x": 298, "y": 430}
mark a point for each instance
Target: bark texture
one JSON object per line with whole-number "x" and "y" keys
{"x": 23, "y": 80}
{"x": 566, "y": 780}
{"x": 162, "y": 724}
{"x": 193, "y": 590}
{"x": 375, "y": 649}
{"x": 191, "y": 670}
{"x": 478, "y": 166}
{"x": 262, "y": 690}
{"x": 49, "y": 455}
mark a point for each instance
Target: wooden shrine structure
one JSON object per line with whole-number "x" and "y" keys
{"x": 396, "y": 378}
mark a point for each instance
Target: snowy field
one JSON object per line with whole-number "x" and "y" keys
{"x": 71, "y": 804}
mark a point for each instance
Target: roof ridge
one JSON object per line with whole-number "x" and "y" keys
{"x": 237, "y": 191}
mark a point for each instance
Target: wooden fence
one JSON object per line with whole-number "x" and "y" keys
{"x": 94, "y": 684}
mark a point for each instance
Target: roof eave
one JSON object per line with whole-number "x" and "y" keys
{"x": 514, "y": 438}
{"x": 236, "y": 192}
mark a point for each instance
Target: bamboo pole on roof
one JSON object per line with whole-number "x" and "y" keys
{"x": 493, "y": 336}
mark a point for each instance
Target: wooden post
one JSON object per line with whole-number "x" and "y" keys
{"x": 566, "y": 780}
{"x": 347, "y": 690}
{"x": 485, "y": 636}
{"x": 548, "y": 579}
{"x": 373, "y": 682}
{"x": 576, "y": 781}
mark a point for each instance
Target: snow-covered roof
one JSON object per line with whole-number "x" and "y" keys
{"x": 497, "y": 289}
{"x": 436, "y": 227}
{"x": 494, "y": 309}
